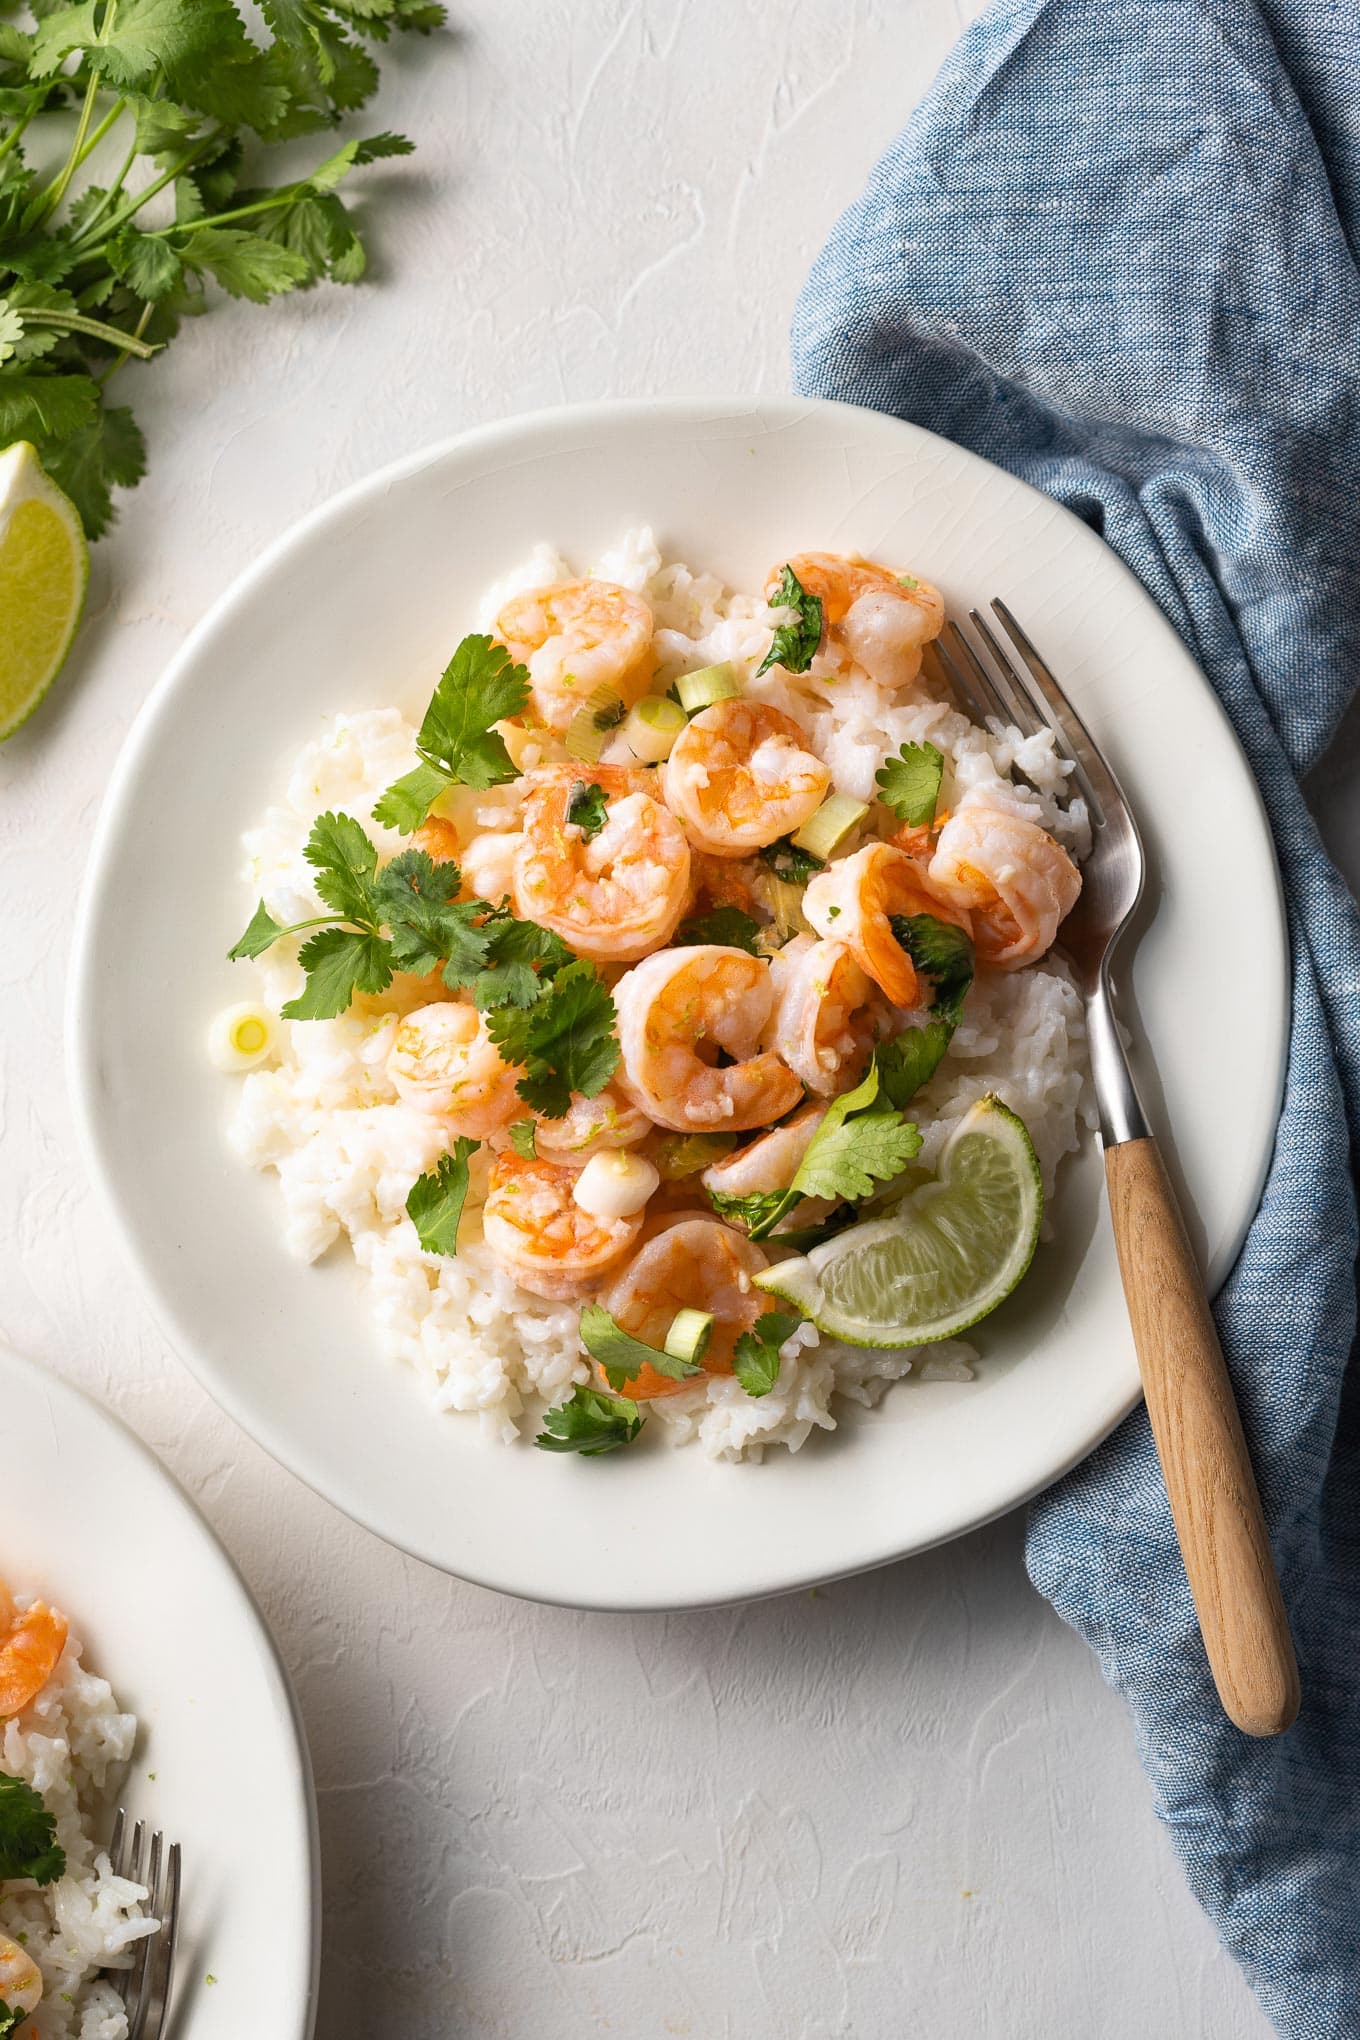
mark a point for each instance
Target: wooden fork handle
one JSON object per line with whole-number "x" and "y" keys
{"x": 1214, "y": 1498}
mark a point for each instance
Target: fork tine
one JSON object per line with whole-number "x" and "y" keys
{"x": 970, "y": 678}
{"x": 1092, "y": 774}
{"x": 1013, "y": 705}
{"x": 135, "y": 1997}
{"x": 116, "y": 1842}
{"x": 158, "y": 2010}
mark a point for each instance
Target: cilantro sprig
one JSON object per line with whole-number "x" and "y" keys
{"x": 28, "y": 1835}
{"x": 456, "y": 743}
{"x": 909, "y": 784}
{"x": 794, "y": 645}
{"x": 755, "y": 1361}
{"x": 727, "y": 926}
{"x": 862, "y": 1141}
{"x": 191, "y": 105}
{"x": 590, "y": 1422}
{"x": 566, "y": 1040}
{"x": 943, "y": 955}
{"x": 586, "y": 809}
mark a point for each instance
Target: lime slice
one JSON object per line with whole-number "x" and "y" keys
{"x": 949, "y": 1253}
{"x": 44, "y": 566}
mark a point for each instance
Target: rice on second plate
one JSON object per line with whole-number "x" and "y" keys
{"x": 71, "y": 1744}
{"x": 327, "y": 1119}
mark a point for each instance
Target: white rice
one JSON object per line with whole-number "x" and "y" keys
{"x": 326, "y": 1118}
{"x": 71, "y": 1745}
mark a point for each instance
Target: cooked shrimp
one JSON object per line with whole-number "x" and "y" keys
{"x": 740, "y": 775}
{"x": 677, "y": 1012}
{"x": 575, "y": 638}
{"x": 438, "y": 838}
{"x": 828, "y": 1012}
{"x": 589, "y": 1127}
{"x": 534, "y": 1227}
{"x": 21, "y": 1984}
{"x": 694, "y": 1264}
{"x": 769, "y": 1163}
{"x": 1018, "y": 883}
{"x": 30, "y": 1645}
{"x": 852, "y": 901}
{"x": 488, "y": 864}
{"x": 613, "y": 896}
{"x": 444, "y": 1062}
{"x": 874, "y": 619}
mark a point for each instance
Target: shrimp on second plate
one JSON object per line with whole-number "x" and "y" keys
{"x": 444, "y": 1062}
{"x": 828, "y": 1012}
{"x": 1018, "y": 883}
{"x": 873, "y": 618}
{"x": 535, "y": 1228}
{"x": 31, "y": 1644}
{"x": 21, "y": 1984}
{"x": 576, "y": 638}
{"x": 677, "y": 1012}
{"x": 694, "y": 1264}
{"x": 740, "y": 776}
{"x": 613, "y": 894}
{"x": 853, "y": 901}
{"x": 590, "y": 1126}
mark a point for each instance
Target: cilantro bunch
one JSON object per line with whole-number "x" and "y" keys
{"x": 92, "y": 274}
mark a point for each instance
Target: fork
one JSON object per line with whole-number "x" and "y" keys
{"x": 145, "y": 1987}
{"x": 1214, "y": 1499}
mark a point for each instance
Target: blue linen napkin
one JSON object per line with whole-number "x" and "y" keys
{"x": 1115, "y": 251}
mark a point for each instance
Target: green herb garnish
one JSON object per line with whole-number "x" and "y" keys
{"x": 794, "y": 645}
{"x": 586, "y": 809}
{"x": 750, "y": 1211}
{"x": 457, "y": 745}
{"x": 909, "y": 784}
{"x": 435, "y": 1203}
{"x": 28, "y": 1843}
{"x": 756, "y": 1359}
{"x": 566, "y": 1040}
{"x": 727, "y": 926}
{"x": 789, "y": 863}
{"x": 860, "y": 1142}
{"x": 591, "y": 1422}
{"x": 943, "y": 955}
{"x": 621, "y": 1356}
{"x": 524, "y": 1139}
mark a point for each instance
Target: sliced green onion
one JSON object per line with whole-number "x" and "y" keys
{"x": 588, "y": 731}
{"x": 786, "y": 905}
{"x": 652, "y": 726}
{"x": 689, "y": 1335}
{"x": 830, "y": 826}
{"x": 709, "y": 685}
{"x": 685, "y": 1154}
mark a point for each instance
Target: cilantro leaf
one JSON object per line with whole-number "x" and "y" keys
{"x": 39, "y": 406}
{"x": 566, "y": 1041}
{"x": 413, "y": 895}
{"x": 621, "y": 1356}
{"x": 586, "y": 809}
{"x": 262, "y": 932}
{"x": 789, "y": 863}
{"x": 943, "y": 954}
{"x": 756, "y": 1359}
{"x": 344, "y": 862}
{"x": 409, "y": 799}
{"x": 911, "y": 1059}
{"x": 728, "y": 926}
{"x": 590, "y": 1423}
{"x": 339, "y": 962}
{"x": 794, "y": 645}
{"x": 435, "y": 1203}
{"x": 909, "y": 784}
{"x": 521, "y": 959}
{"x": 859, "y": 1143}
{"x": 749, "y": 1211}
{"x": 523, "y": 1138}
{"x": 28, "y": 1835}
{"x": 246, "y": 265}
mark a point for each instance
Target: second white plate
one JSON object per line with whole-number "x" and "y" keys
{"x": 359, "y": 606}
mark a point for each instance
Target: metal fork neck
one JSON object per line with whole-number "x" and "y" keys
{"x": 1121, "y": 1110}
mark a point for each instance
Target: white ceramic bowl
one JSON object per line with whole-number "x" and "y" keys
{"x": 92, "y": 1522}
{"x": 359, "y": 606}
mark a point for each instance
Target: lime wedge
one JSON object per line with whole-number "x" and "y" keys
{"x": 949, "y": 1252}
{"x": 44, "y": 566}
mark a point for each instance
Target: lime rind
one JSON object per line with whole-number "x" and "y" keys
{"x": 952, "y": 1250}
{"x": 44, "y": 574}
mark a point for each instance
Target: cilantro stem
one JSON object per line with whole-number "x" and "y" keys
{"x": 76, "y": 322}
{"x": 49, "y": 199}
{"x": 20, "y": 124}
{"x": 241, "y": 212}
{"x": 138, "y": 199}
{"x": 107, "y": 375}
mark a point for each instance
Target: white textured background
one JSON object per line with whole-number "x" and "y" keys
{"x": 903, "y": 1805}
